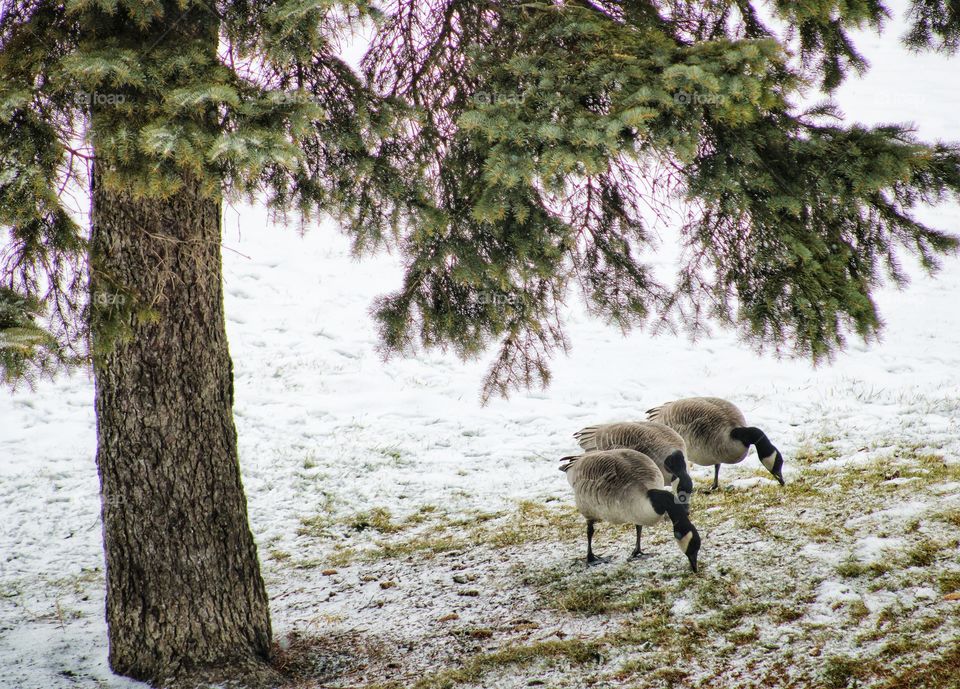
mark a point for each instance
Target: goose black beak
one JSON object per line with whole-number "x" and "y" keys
{"x": 779, "y": 478}
{"x": 693, "y": 562}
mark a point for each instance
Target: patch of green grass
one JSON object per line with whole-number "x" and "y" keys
{"x": 421, "y": 515}
{"x": 472, "y": 670}
{"x": 317, "y": 526}
{"x": 437, "y": 533}
{"x": 951, "y": 516}
{"x": 743, "y": 636}
{"x": 668, "y": 677}
{"x": 534, "y": 521}
{"x": 948, "y": 582}
{"x": 840, "y": 671}
{"x": 820, "y": 532}
{"x": 714, "y": 591}
{"x": 851, "y": 568}
{"x": 648, "y": 630}
{"x": 378, "y": 519}
{"x": 857, "y": 610}
{"x": 929, "y": 623}
{"x": 900, "y": 646}
{"x": 922, "y": 554}
{"x": 394, "y": 454}
{"x": 787, "y": 613}
{"x": 599, "y": 591}
{"x": 342, "y": 556}
{"x": 927, "y": 671}
{"x": 752, "y": 520}
{"x": 865, "y": 477}
{"x": 635, "y": 666}
{"x": 729, "y": 617}
{"x": 598, "y": 599}
{"x": 427, "y": 545}
{"x": 812, "y": 454}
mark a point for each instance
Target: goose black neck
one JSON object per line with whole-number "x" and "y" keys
{"x": 754, "y": 436}
{"x": 664, "y": 501}
{"x": 681, "y": 521}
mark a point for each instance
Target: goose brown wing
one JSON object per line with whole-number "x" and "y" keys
{"x": 615, "y": 472}
{"x": 694, "y": 417}
{"x": 730, "y": 411}
{"x": 653, "y": 439}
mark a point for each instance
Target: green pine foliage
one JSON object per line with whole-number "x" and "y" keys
{"x": 555, "y": 134}
{"x": 25, "y": 348}
{"x": 935, "y": 24}
{"x": 513, "y": 151}
{"x": 251, "y": 99}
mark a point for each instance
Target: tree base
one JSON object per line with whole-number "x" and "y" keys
{"x": 249, "y": 674}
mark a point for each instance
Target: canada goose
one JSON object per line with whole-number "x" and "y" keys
{"x": 626, "y": 487}
{"x": 716, "y": 433}
{"x": 657, "y": 441}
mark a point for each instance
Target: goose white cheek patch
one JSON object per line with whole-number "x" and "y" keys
{"x": 769, "y": 461}
{"x": 684, "y": 542}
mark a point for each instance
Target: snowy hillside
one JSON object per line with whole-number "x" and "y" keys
{"x": 397, "y": 516}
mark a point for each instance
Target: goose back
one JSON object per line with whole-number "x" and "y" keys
{"x": 612, "y": 485}
{"x": 653, "y": 439}
{"x": 705, "y": 424}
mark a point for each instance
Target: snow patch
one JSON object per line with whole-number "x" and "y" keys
{"x": 874, "y": 548}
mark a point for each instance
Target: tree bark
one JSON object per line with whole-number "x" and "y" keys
{"x": 185, "y": 597}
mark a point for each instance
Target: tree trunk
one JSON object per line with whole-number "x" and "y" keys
{"x": 184, "y": 593}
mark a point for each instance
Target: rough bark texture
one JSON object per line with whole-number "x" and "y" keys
{"x": 184, "y": 593}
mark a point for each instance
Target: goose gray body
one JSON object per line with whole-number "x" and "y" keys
{"x": 611, "y": 486}
{"x": 705, "y": 424}
{"x": 624, "y": 486}
{"x": 653, "y": 439}
{"x": 716, "y": 432}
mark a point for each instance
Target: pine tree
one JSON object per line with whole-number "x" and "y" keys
{"x": 511, "y": 150}
{"x": 555, "y": 133}
{"x": 158, "y": 110}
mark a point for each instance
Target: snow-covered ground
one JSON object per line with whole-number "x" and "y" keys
{"x": 327, "y": 428}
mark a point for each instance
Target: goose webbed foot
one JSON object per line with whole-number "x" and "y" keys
{"x": 639, "y": 555}
{"x": 594, "y": 560}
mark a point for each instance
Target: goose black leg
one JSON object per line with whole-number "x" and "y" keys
{"x": 637, "y": 553}
{"x": 591, "y": 558}
{"x": 716, "y": 477}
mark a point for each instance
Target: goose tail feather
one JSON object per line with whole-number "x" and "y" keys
{"x": 587, "y": 437}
